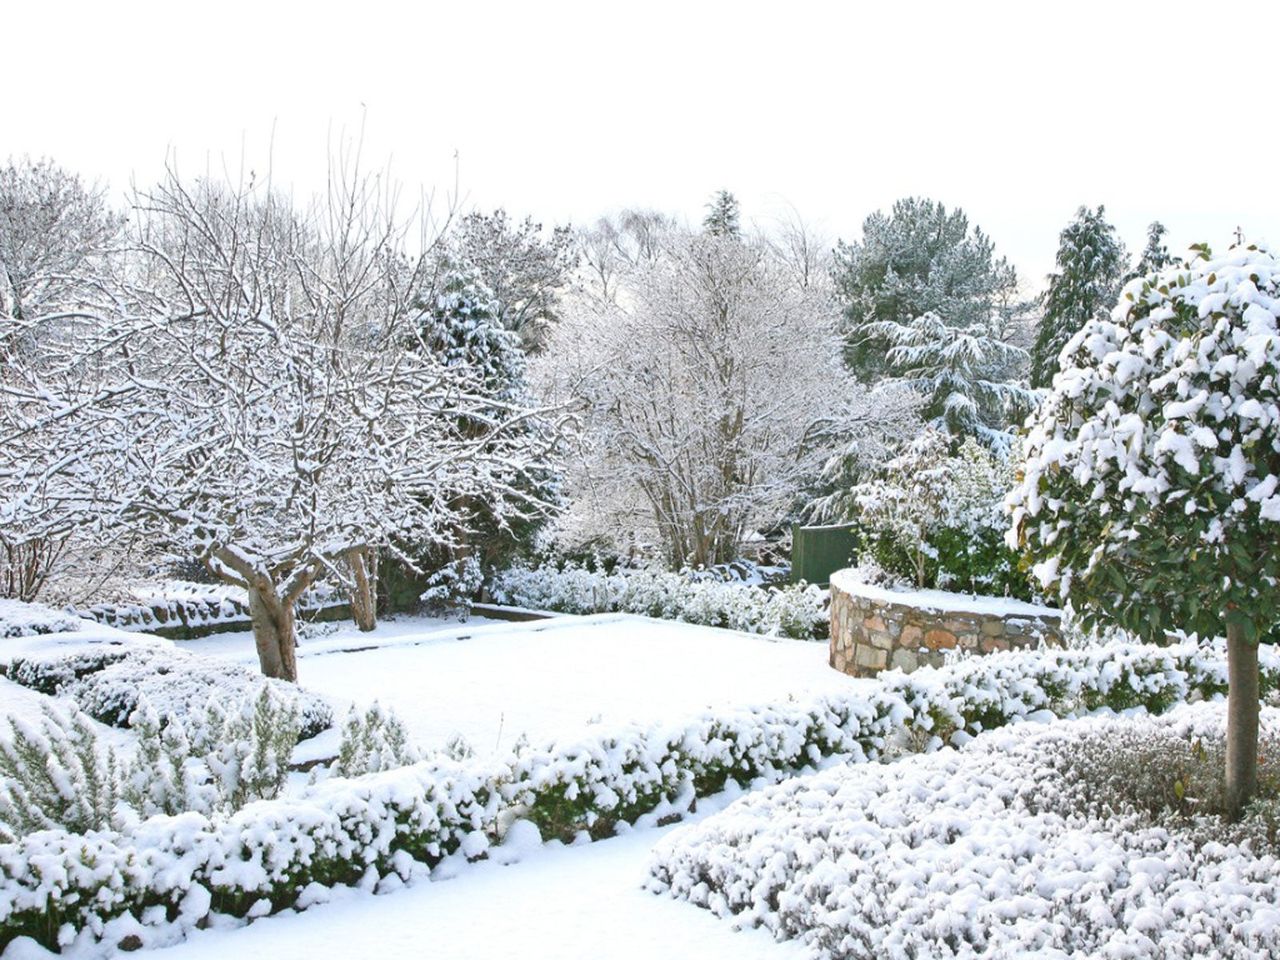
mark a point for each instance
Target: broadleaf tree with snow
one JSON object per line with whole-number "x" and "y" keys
{"x": 1151, "y": 494}
{"x": 1085, "y": 285}
{"x": 247, "y": 398}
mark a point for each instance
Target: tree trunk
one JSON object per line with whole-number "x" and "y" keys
{"x": 273, "y": 633}
{"x": 364, "y": 599}
{"x": 1242, "y": 720}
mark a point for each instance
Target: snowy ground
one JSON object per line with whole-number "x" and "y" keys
{"x": 491, "y": 682}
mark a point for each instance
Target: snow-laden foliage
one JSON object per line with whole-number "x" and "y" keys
{"x": 526, "y": 270}
{"x": 918, "y": 258}
{"x": 112, "y": 683}
{"x": 62, "y": 775}
{"x": 936, "y": 519}
{"x": 1084, "y": 286}
{"x": 976, "y": 853}
{"x": 1154, "y": 461}
{"x": 372, "y": 741}
{"x": 927, "y": 303}
{"x": 253, "y": 391}
{"x": 711, "y": 389}
{"x": 229, "y": 755}
{"x": 56, "y": 776}
{"x": 970, "y": 377}
{"x": 57, "y": 886}
{"x": 797, "y": 611}
{"x": 18, "y": 619}
{"x": 452, "y": 588}
{"x": 168, "y": 874}
{"x": 1155, "y": 255}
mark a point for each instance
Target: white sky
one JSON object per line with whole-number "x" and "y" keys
{"x": 1016, "y": 112}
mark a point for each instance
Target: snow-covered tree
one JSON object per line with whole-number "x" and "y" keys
{"x": 1090, "y": 263}
{"x": 968, "y": 376}
{"x": 526, "y": 271}
{"x": 618, "y": 244}
{"x": 723, "y": 218}
{"x": 1150, "y": 497}
{"x": 248, "y": 398}
{"x": 55, "y": 233}
{"x": 461, "y": 324}
{"x": 1155, "y": 255}
{"x": 701, "y": 386}
{"x": 919, "y": 258}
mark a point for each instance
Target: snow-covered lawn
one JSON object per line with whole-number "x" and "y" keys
{"x": 492, "y": 682}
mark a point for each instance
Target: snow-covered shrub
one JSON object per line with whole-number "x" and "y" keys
{"x": 56, "y": 776}
{"x": 936, "y": 518}
{"x": 110, "y": 687}
{"x": 451, "y": 588}
{"x": 51, "y": 674}
{"x": 168, "y": 874}
{"x": 966, "y": 854}
{"x": 19, "y": 619}
{"x": 1172, "y": 773}
{"x": 371, "y": 742}
{"x": 794, "y": 611}
{"x": 193, "y": 607}
{"x": 215, "y": 761}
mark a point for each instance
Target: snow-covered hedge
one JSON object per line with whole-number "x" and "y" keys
{"x": 177, "y": 605}
{"x": 109, "y": 682}
{"x": 19, "y": 619}
{"x": 159, "y": 881}
{"x": 792, "y": 611}
{"x": 262, "y": 859}
{"x": 978, "y": 852}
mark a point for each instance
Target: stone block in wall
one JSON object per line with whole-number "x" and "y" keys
{"x": 873, "y": 629}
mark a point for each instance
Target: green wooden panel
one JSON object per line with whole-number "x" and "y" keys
{"x": 818, "y": 552}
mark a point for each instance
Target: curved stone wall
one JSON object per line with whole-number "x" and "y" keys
{"x": 874, "y": 629}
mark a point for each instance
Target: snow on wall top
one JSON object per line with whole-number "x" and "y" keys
{"x": 941, "y": 600}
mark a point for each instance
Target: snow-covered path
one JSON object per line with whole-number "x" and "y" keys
{"x": 558, "y": 903}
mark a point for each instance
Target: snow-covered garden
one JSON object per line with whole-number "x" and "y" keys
{"x": 362, "y": 569}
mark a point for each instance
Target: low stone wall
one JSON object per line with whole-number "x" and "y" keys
{"x": 874, "y": 629}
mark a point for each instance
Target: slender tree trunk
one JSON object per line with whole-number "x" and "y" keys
{"x": 273, "y": 632}
{"x": 1242, "y": 720}
{"x": 364, "y": 600}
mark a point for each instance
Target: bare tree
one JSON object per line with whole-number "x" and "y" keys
{"x": 54, "y": 235}
{"x": 262, "y": 399}
{"x": 701, "y": 384}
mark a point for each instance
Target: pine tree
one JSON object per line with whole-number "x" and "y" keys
{"x": 463, "y": 326}
{"x": 967, "y": 376}
{"x": 1087, "y": 281}
{"x": 1155, "y": 255}
{"x": 919, "y": 258}
{"x": 722, "y": 219}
